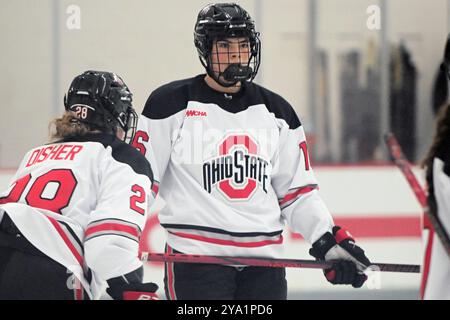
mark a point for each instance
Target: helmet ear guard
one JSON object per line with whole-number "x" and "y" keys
{"x": 103, "y": 102}
{"x": 221, "y": 21}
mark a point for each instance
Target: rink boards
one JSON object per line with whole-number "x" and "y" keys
{"x": 373, "y": 202}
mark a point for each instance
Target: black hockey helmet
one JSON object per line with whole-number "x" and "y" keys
{"x": 103, "y": 102}
{"x": 227, "y": 20}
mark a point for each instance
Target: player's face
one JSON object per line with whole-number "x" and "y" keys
{"x": 120, "y": 134}
{"x": 229, "y": 51}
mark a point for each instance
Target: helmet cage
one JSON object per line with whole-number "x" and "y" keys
{"x": 221, "y": 21}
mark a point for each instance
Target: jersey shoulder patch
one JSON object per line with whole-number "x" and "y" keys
{"x": 168, "y": 99}
{"x": 121, "y": 151}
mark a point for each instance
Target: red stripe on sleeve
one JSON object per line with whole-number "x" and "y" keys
{"x": 295, "y": 194}
{"x": 109, "y": 226}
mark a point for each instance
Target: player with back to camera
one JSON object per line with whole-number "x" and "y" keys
{"x": 436, "y": 271}
{"x": 233, "y": 168}
{"x": 73, "y": 214}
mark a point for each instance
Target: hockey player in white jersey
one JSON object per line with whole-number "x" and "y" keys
{"x": 232, "y": 162}
{"x": 436, "y": 269}
{"x": 73, "y": 214}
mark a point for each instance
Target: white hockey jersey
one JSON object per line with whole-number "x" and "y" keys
{"x": 83, "y": 202}
{"x": 233, "y": 169}
{"x": 436, "y": 274}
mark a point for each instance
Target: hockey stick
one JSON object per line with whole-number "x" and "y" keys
{"x": 267, "y": 262}
{"x": 403, "y": 164}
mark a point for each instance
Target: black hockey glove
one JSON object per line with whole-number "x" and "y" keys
{"x": 351, "y": 261}
{"x": 130, "y": 287}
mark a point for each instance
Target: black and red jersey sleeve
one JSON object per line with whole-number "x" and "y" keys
{"x": 293, "y": 177}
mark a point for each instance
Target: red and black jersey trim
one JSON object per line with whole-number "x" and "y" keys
{"x": 72, "y": 233}
{"x": 294, "y": 194}
{"x": 70, "y": 239}
{"x": 65, "y": 232}
{"x": 112, "y": 227}
{"x": 220, "y": 231}
{"x": 224, "y": 237}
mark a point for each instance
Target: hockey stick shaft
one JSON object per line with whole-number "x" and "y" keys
{"x": 403, "y": 164}
{"x": 266, "y": 262}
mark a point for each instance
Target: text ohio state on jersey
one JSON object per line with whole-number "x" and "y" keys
{"x": 233, "y": 169}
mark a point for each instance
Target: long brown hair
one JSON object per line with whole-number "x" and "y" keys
{"x": 67, "y": 126}
{"x": 441, "y": 135}
{"x": 440, "y": 140}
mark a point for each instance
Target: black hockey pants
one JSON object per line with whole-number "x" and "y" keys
{"x": 192, "y": 281}
{"x": 26, "y": 273}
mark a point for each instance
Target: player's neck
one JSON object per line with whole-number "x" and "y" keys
{"x": 216, "y": 86}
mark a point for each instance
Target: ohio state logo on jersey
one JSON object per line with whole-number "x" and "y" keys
{"x": 238, "y": 169}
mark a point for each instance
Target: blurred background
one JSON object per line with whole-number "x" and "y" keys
{"x": 352, "y": 69}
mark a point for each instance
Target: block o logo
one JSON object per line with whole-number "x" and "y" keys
{"x": 237, "y": 170}
{"x": 235, "y": 145}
